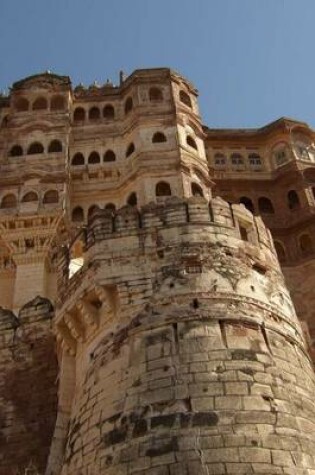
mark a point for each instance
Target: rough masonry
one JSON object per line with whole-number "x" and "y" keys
{"x": 146, "y": 323}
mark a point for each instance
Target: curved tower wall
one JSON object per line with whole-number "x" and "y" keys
{"x": 180, "y": 349}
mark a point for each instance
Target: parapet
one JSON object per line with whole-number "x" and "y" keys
{"x": 217, "y": 213}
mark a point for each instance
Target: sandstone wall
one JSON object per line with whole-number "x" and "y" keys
{"x": 28, "y": 387}
{"x": 189, "y": 358}
{"x": 300, "y": 280}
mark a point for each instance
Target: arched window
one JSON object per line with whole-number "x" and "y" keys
{"x": 191, "y": 142}
{"x": 132, "y": 199}
{"x": 280, "y": 249}
{"x": 57, "y": 103}
{"x": 196, "y": 189}
{"x": 293, "y": 200}
{"x": 9, "y": 201}
{"x": 77, "y": 159}
{"x": 281, "y": 153}
{"x": 184, "y": 98}
{"x": 108, "y": 112}
{"x": 219, "y": 160}
{"x": 254, "y": 160}
{"x": 163, "y": 189}
{"x": 265, "y": 205}
{"x": 237, "y": 159}
{"x": 22, "y": 104}
{"x": 128, "y": 105}
{"x": 110, "y": 207}
{"x": 247, "y": 202}
{"x": 30, "y": 197}
{"x": 16, "y": 151}
{"x": 55, "y": 146}
{"x": 92, "y": 210}
{"x": 109, "y": 156}
{"x": 51, "y": 196}
{"x": 79, "y": 114}
{"x": 306, "y": 245}
{"x": 34, "y": 148}
{"x": 40, "y": 104}
{"x": 94, "y": 113}
{"x": 94, "y": 158}
{"x": 77, "y": 214}
{"x": 130, "y": 149}
{"x": 155, "y": 94}
{"x": 158, "y": 137}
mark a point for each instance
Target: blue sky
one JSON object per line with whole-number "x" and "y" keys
{"x": 251, "y": 60}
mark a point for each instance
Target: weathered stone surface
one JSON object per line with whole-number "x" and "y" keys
{"x": 179, "y": 349}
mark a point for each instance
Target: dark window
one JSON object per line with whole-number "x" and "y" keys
{"x": 94, "y": 158}
{"x": 247, "y": 202}
{"x": 293, "y": 200}
{"x": 254, "y": 159}
{"x": 191, "y": 142}
{"x": 313, "y": 191}
{"x": 108, "y": 112}
{"x": 57, "y": 103}
{"x": 51, "y": 196}
{"x": 9, "y": 201}
{"x": 158, "y": 137}
{"x": 163, "y": 189}
{"x": 265, "y": 206}
{"x": 128, "y": 105}
{"x": 184, "y": 98}
{"x": 109, "y": 156}
{"x": 79, "y": 114}
{"x": 130, "y": 149}
{"x": 243, "y": 233}
{"x": 55, "y": 146}
{"x": 280, "y": 251}
{"x": 16, "y": 151}
{"x": 22, "y": 104}
{"x": 219, "y": 159}
{"x": 94, "y": 113}
{"x": 77, "y": 214}
{"x": 35, "y": 147}
{"x": 30, "y": 197}
{"x": 132, "y": 200}
{"x": 77, "y": 159}
{"x": 196, "y": 190}
{"x": 306, "y": 245}
{"x": 5, "y": 121}
{"x": 237, "y": 159}
{"x": 40, "y": 104}
{"x": 155, "y": 94}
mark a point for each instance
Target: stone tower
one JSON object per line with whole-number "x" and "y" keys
{"x": 179, "y": 350}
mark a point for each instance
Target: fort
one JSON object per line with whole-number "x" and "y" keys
{"x": 157, "y": 311}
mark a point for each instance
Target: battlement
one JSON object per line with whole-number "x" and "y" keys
{"x": 124, "y": 252}
{"x": 217, "y": 213}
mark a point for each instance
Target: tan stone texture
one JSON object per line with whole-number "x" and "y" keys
{"x": 179, "y": 348}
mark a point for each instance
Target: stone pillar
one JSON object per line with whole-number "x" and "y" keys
{"x": 189, "y": 357}
{"x": 30, "y": 280}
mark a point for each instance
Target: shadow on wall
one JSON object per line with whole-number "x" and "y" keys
{"x": 28, "y": 397}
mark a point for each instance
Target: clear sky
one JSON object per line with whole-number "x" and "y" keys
{"x": 251, "y": 60}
